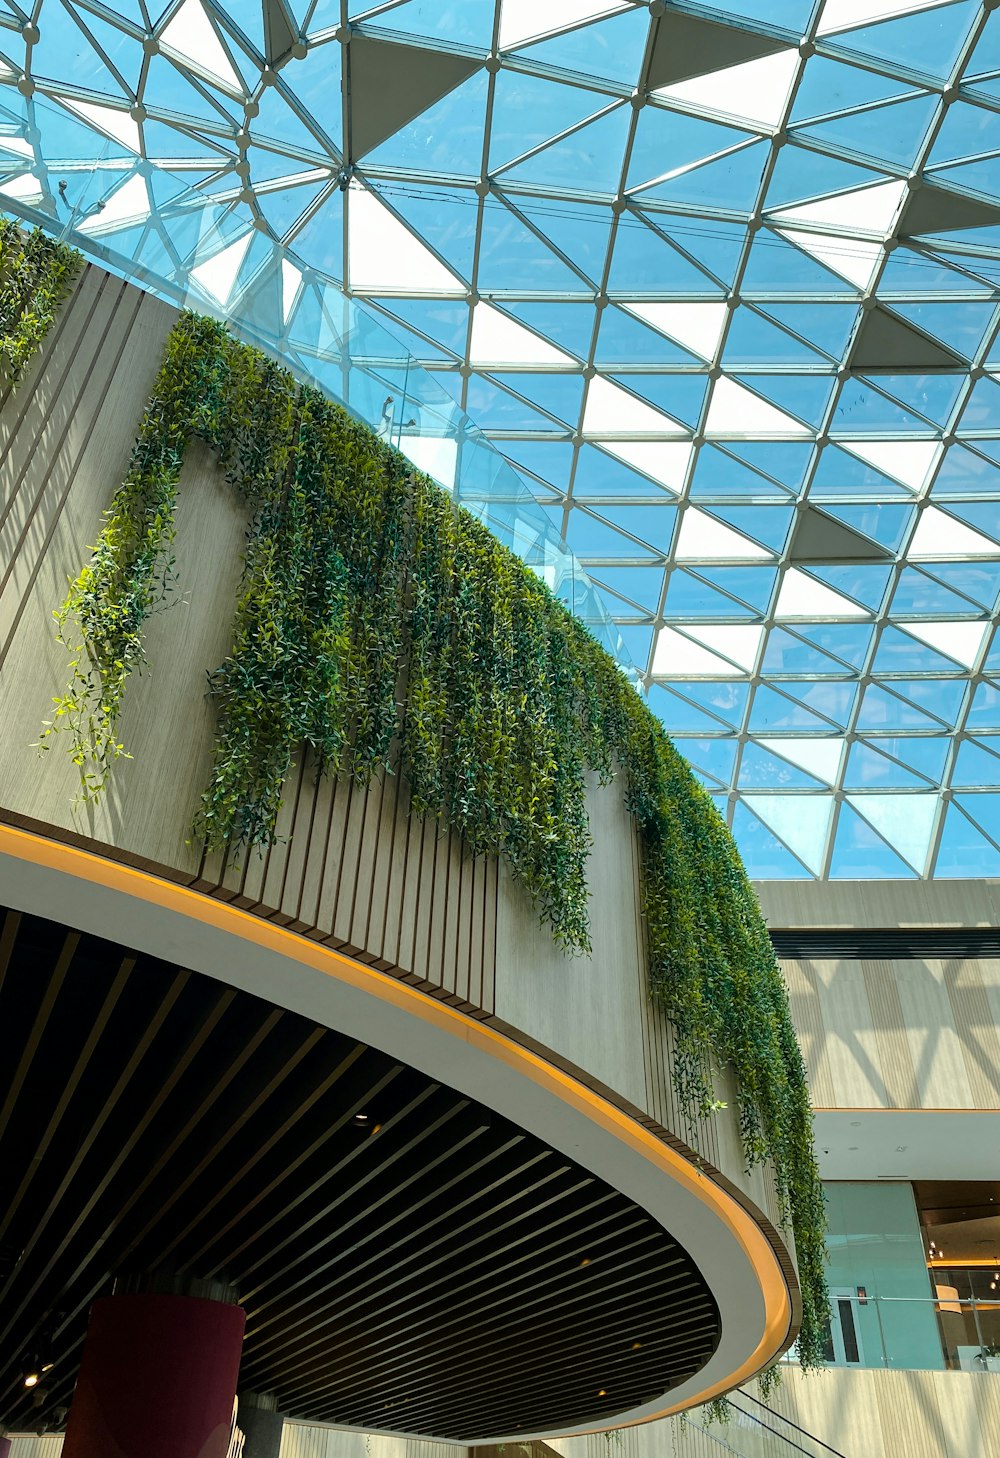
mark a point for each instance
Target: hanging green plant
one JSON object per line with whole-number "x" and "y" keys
{"x": 391, "y": 632}
{"x": 36, "y": 274}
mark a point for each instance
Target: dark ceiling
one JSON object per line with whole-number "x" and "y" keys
{"x": 407, "y": 1259}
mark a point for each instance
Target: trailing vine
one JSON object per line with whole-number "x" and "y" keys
{"x": 390, "y": 632}
{"x": 36, "y": 273}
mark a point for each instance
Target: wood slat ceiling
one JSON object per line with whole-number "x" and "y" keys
{"x": 408, "y": 1260}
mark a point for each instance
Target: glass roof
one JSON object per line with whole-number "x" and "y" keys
{"x": 719, "y": 281}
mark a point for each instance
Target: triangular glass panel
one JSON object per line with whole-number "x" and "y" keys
{"x": 982, "y": 407}
{"x": 754, "y": 91}
{"x": 63, "y": 54}
{"x": 939, "y": 535}
{"x": 930, "y": 397}
{"x": 643, "y": 261}
{"x": 600, "y": 475}
{"x": 697, "y": 326}
{"x": 679, "y": 394}
{"x": 863, "y": 409}
{"x": 910, "y": 462}
{"x": 715, "y": 757}
{"x": 593, "y": 540}
{"x": 512, "y": 257}
{"x": 753, "y": 340}
{"x": 689, "y": 595}
{"x": 497, "y": 339}
{"x": 787, "y": 462}
{"x": 805, "y": 396}
{"x": 750, "y": 585}
{"x": 984, "y": 811}
{"x": 718, "y": 475}
{"x": 319, "y": 244}
{"x": 983, "y": 516}
{"x": 462, "y": 22}
{"x": 984, "y": 712}
{"x": 191, "y": 36}
{"x": 860, "y": 854}
{"x": 819, "y": 758}
{"x": 581, "y": 231}
{"x": 731, "y": 182}
{"x": 725, "y": 698}
{"x": 899, "y": 653}
{"x": 917, "y": 593}
{"x": 445, "y": 321}
{"x": 801, "y": 596}
{"x": 682, "y": 141}
{"x": 283, "y": 207}
{"x": 764, "y": 855}
{"x": 624, "y": 340}
{"x": 735, "y": 410}
{"x": 529, "y": 111}
{"x": 593, "y": 151}
{"x": 637, "y": 640}
{"x": 828, "y": 85}
{"x": 760, "y": 770}
{"x": 869, "y": 210}
{"x": 893, "y": 134}
{"x": 568, "y": 326}
{"x": 869, "y": 769}
{"x": 961, "y": 326}
{"x": 773, "y": 711}
{"x": 386, "y": 257}
{"x": 679, "y": 715}
{"x": 494, "y": 408}
{"x": 839, "y": 474}
{"x": 979, "y": 582}
{"x": 521, "y": 21}
{"x": 962, "y": 642}
{"x": 716, "y": 245}
{"x": 610, "y": 48}
{"x": 865, "y": 582}
{"x": 835, "y": 701}
{"x": 975, "y": 765}
{"x": 884, "y": 523}
{"x": 278, "y": 121}
{"x": 651, "y": 523}
{"x": 641, "y": 585}
{"x": 610, "y": 411}
{"x": 849, "y": 642}
{"x": 446, "y": 140}
{"x": 929, "y": 41}
{"x": 964, "y": 850}
{"x": 801, "y": 175}
{"x": 775, "y": 267}
{"x": 703, "y": 538}
{"x": 740, "y": 643}
{"x": 665, "y": 462}
{"x": 787, "y": 653}
{"x": 677, "y": 656}
{"x": 801, "y": 822}
{"x": 766, "y": 524}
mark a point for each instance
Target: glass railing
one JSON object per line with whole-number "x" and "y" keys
{"x": 146, "y": 224}
{"x": 755, "y": 1430}
{"x": 946, "y": 1332}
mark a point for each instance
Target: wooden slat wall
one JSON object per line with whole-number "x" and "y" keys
{"x": 919, "y": 1033}
{"x": 351, "y": 868}
{"x": 300, "y": 1441}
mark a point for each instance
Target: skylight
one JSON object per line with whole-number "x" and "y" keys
{"x": 724, "y": 291}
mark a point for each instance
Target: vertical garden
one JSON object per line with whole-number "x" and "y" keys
{"x": 389, "y": 632}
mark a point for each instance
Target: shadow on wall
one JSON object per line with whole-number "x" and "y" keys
{"x": 898, "y": 1034}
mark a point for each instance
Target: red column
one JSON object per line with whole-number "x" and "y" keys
{"x": 157, "y": 1380}
{"x": 5, "y": 1447}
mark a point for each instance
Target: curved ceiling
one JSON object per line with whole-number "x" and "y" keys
{"x": 408, "y": 1260}
{"x": 721, "y": 282}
